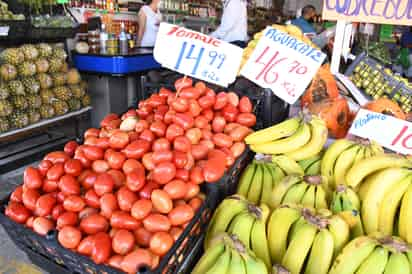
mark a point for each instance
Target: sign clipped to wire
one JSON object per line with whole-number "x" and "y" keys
{"x": 283, "y": 64}
{"x": 197, "y": 55}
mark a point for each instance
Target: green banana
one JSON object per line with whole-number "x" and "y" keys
{"x": 237, "y": 265}
{"x": 282, "y": 188}
{"x": 254, "y": 265}
{"x": 308, "y": 199}
{"x": 306, "y": 163}
{"x": 375, "y": 263}
{"x": 259, "y": 241}
{"x": 267, "y": 185}
{"x": 288, "y": 165}
{"x": 222, "y": 263}
{"x": 295, "y": 194}
{"x": 241, "y": 226}
{"x": 321, "y": 254}
{"x": 278, "y": 269}
{"x": 397, "y": 264}
{"x": 209, "y": 258}
{"x": 314, "y": 169}
{"x": 276, "y": 172}
{"x": 246, "y": 179}
{"x": 255, "y": 189}
{"x": 330, "y": 156}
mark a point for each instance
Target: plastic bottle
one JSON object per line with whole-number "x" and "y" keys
{"x": 123, "y": 43}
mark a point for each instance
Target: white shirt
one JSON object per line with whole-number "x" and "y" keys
{"x": 153, "y": 20}
{"x": 233, "y": 26}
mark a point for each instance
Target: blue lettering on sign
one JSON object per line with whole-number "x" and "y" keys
{"x": 363, "y": 121}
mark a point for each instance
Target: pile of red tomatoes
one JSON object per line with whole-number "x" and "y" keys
{"x": 125, "y": 195}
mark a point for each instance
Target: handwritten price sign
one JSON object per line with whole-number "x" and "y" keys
{"x": 390, "y": 132}
{"x": 283, "y": 64}
{"x": 197, "y": 55}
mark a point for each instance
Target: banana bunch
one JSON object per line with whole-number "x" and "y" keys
{"x": 342, "y": 155}
{"x": 260, "y": 177}
{"x": 311, "y": 166}
{"x": 298, "y": 138}
{"x": 375, "y": 254}
{"x": 308, "y": 191}
{"x": 346, "y": 203}
{"x": 278, "y": 269}
{"x": 228, "y": 255}
{"x": 237, "y": 216}
{"x": 304, "y": 241}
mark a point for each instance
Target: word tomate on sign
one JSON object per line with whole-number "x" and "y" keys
{"x": 197, "y": 55}
{"x": 283, "y": 64}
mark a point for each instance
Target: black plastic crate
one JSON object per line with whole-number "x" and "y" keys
{"x": 52, "y": 33}
{"x": 17, "y": 28}
{"x": 47, "y": 249}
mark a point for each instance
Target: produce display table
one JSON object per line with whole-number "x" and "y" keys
{"x": 114, "y": 81}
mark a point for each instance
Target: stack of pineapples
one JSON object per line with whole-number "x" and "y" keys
{"x": 36, "y": 83}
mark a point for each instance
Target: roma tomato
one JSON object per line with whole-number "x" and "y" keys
{"x": 192, "y": 191}
{"x": 91, "y": 141}
{"x": 57, "y": 157}
{"x": 160, "y": 113}
{"x": 147, "y": 135}
{"x": 175, "y": 232}
{"x": 180, "y": 104}
{"x": 138, "y": 258}
{"x": 161, "y": 201}
{"x": 137, "y": 149}
{"x": 92, "y": 199}
{"x": 70, "y": 147}
{"x": 230, "y": 127}
{"x": 165, "y": 93}
{"x": 123, "y": 242}
{"x": 103, "y": 142}
{"x": 141, "y": 125}
{"x": 246, "y": 119}
{"x": 146, "y": 191}
{"x": 74, "y": 203}
{"x": 124, "y": 220}
{"x": 44, "y": 166}
{"x": 67, "y": 219}
{"x": 115, "y": 262}
{"x": 199, "y": 152}
{"x": 206, "y": 134}
{"x": 32, "y": 178}
{"x": 194, "y": 135}
{"x": 161, "y": 144}
{"x": 69, "y": 185}
{"x": 42, "y": 225}
{"x": 169, "y": 116}
{"x": 206, "y": 102}
{"x": 131, "y": 165}
{"x": 143, "y": 237}
{"x": 87, "y": 179}
{"x": 114, "y": 124}
{"x": 208, "y": 114}
{"x": 221, "y": 100}
{"x": 182, "y": 174}
{"x": 17, "y": 195}
{"x": 184, "y": 120}
{"x": 196, "y": 175}
{"x": 108, "y": 205}
{"x": 162, "y": 156}
{"x": 93, "y": 153}
{"x": 201, "y": 122}
{"x": 93, "y": 224}
{"x": 196, "y": 203}
{"x": 233, "y": 99}
{"x": 176, "y": 189}
{"x": 218, "y": 124}
{"x": 158, "y": 128}
{"x": 116, "y": 160}
{"x": 245, "y": 105}
{"x": 190, "y": 93}
{"x": 119, "y": 140}
{"x": 17, "y": 212}
{"x": 57, "y": 211}
{"x": 102, "y": 248}
{"x": 69, "y": 237}
{"x": 118, "y": 177}
{"x": 87, "y": 211}
{"x": 164, "y": 173}
{"x": 136, "y": 180}
{"x": 156, "y": 222}
{"x": 73, "y": 167}
{"x": 85, "y": 246}
{"x": 30, "y": 197}
{"x": 174, "y": 131}
{"x": 82, "y": 158}
{"x": 182, "y": 144}
{"x": 181, "y": 214}
{"x": 100, "y": 166}
{"x": 239, "y": 133}
{"x": 230, "y": 159}
{"x": 104, "y": 184}
{"x": 215, "y": 166}
{"x": 190, "y": 161}
{"x": 44, "y": 205}
{"x": 160, "y": 243}
{"x": 141, "y": 209}
{"x": 109, "y": 117}
{"x": 194, "y": 108}
{"x": 147, "y": 161}
{"x": 222, "y": 140}
{"x": 183, "y": 83}
{"x": 179, "y": 159}
{"x": 126, "y": 198}
{"x": 230, "y": 113}
{"x": 237, "y": 149}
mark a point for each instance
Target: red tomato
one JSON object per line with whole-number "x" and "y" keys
{"x": 181, "y": 214}
{"x": 57, "y": 211}
{"x": 196, "y": 203}
{"x": 201, "y": 87}
{"x": 147, "y": 135}
{"x": 155, "y": 101}
{"x": 30, "y": 197}
{"x": 176, "y": 189}
{"x": 158, "y": 128}
{"x": 67, "y": 219}
{"x": 218, "y": 124}
{"x": 92, "y": 199}
{"x": 73, "y": 167}
{"x": 162, "y": 156}
{"x": 144, "y": 111}
{"x": 190, "y": 161}
{"x": 126, "y": 198}
{"x": 246, "y": 119}
{"x": 164, "y": 173}
{"x": 215, "y": 166}
{"x": 133, "y": 136}
{"x": 161, "y": 144}
{"x": 42, "y": 225}
{"x": 141, "y": 125}
{"x": 69, "y": 237}
{"x": 165, "y": 93}
{"x": 196, "y": 175}
{"x": 17, "y": 195}
{"x": 87, "y": 179}
{"x": 44, "y": 205}
{"x": 61, "y": 197}
{"x": 184, "y": 120}
{"x": 109, "y": 117}
{"x": 131, "y": 165}
{"x": 116, "y": 262}
{"x": 82, "y": 158}
{"x": 210, "y": 92}
{"x": 104, "y": 184}
{"x": 182, "y": 174}
{"x": 206, "y": 102}
{"x": 233, "y": 99}
{"x": 230, "y": 127}
{"x": 129, "y": 113}
{"x": 70, "y": 147}
{"x": 190, "y": 93}
{"x": 201, "y": 122}
{"x": 87, "y": 212}
{"x": 44, "y": 166}
{"x": 174, "y": 131}
{"x": 169, "y": 116}
{"x": 194, "y": 135}
{"x": 160, "y": 112}
{"x": 141, "y": 209}
{"x": 180, "y": 159}
{"x": 207, "y": 134}
{"x": 119, "y": 140}
{"x": 182, "y": 144}
{"x": 180, "y": 104}
{"x": 175, "y": 232}
{"x": 239, "y": 133}
{"x": 192, "y": 191}
{"x": 221, "y": 100}
{"x": 93, "y": 224}
{"x": 182, "y": 83}
{"x": 230, "y": 113}
{"x": 156, "y": 222}
{"x": 143, "y": 237}
{"x": 69, "y": 185}
{"x": 103, "y": 142}
{"x": 194, "y": 108}
{"x": 146, "y": 191}
{"x": 137, "y": 149}
{"x": 74, "y": 203}
{"x": 118, "y": 177}
{"x": 208, "y": 114}
{"x": 17, "y": 212}
{"x": 57, "y": 157}
{"x": 114, "y": 124}
{"x": 136, "y": 259}
{"x": 32, "y": 178}
{"x": 116, "y": 159}
{"x": 124, "y": 220}
{"x": 123, "y": 242}
{"x": 222, "y": 140}
{"x": 100, "y": 166}
{"x": 245, "y": 105}
{"x": 161, "y": 201}
{"x": 86, "y": 246}
{"x": 199, "y": 152}
{"x": 147, "y": 161}
{"x": 136, "y": 180}
{"x": 93, "y": 153}
{"x": 161, "y": 243}
{"x": 237, "y": 149}
{"x": 108, "y": 204}
{"x": 91, "y": 141}
{"x": 102, "y": 248}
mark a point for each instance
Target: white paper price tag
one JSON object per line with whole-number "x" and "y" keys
{"x": 198, "y": 55}
{"x": 283, "y": 64}
{"x": 4, "y": 30}
{"x": 390, "y": 132}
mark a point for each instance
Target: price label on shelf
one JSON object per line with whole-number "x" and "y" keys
{"x": 283, "y": 64}
{"x": 4, "y": 30}
{"x": 390, "y": 132}
{"x": 197, "y": 55}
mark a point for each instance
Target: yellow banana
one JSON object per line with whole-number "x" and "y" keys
{"x": 237, "y": 265}
{"x": 259, "y": 242}
{"x": 281, "y": 130}
{"x": 209, "y": 258}
{"x": 246, "y": 179}
{"x": 344, "y": 163}
{"x": 276, "y": 172}
{"x": 376, "y": 149}
{"x": 288, "y": 165}
{"x": 314, "y": 169}
{"x": 288, "y": 144}
{"x": 397, "y": 264}
{"x": 330, "y": 156}
{"x": 282, "y": 188}
{"x": 222, "y": 263}
{"x": 267, "y": 185}
{"x": 295, "y": 194}
{"x": 254, "y": 265}
{"x": 375, "y": 262}
{"x": 405, "y": 216}
{"x": 306, "y": 163}
{"x": 278, "y": 269}
{"x": 308, "y": 199}
{"x": 361, "y": 154}
{"x": 368, "y": 166}
{"x": 320, "y": 198}
{"x": 255, "y": 189}
{"x": 321, "y": 254}
{"x": 340, "y": 232}
{"x": 364, "y": 187}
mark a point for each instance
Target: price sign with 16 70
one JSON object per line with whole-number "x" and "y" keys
{"x": 197, "y": 55}
{"x": 283, "y": 64}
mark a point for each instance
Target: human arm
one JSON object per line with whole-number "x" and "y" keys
{"x": 142, "y": 27}
{"x": 229, "y": 18}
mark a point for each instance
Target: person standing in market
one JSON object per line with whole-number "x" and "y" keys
{"x": 304, "y": 21}
{"x": 149, "y": 21}
{"x": 406, "y": 52}
{"x": 233, "y": 26}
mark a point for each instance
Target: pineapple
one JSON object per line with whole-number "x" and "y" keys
{"x": 83, "y": 85}
{"x": 19, "y": 119}
{"x": 46, "y": 111}
{"x": 30, "y": 52}
{"x": 65, "y": 67}
{"x": 45, "y": 80}
{"x": 62, "y": 93}
{"x": 60, "y": 107}
{"x": 8, "y": 72}
{"x": 59, "y": 53}
{"x": 47, "y": 96}
{"x": 31, "y": 85}
{"x": 55, "y": 65}
{"x": 34, "y": 101}
{"x": 59, "y": 79}
{"x": 12, "y": 56}
{"x": 6, "y": 108}
{"x": 4, "y": 91}
{"x": 4, "y": 125}
{"x": 27, "y": 69}
{"x": 16, "y": 88}
{"x": 86, "y": 100}
{"x": 74, "y": 104}
{"x": 45, "y": 50}
{"x": 34, "y": 116}
{"x": 42, "y": 65}
{"x": 73, "y": 77}
{"x": 19, "y": 102}
{"x": 77, "y": 91}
